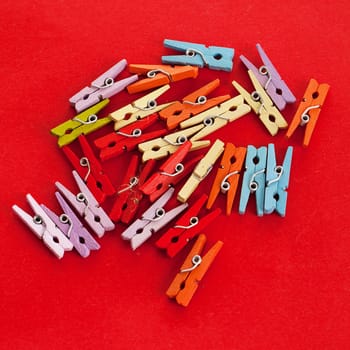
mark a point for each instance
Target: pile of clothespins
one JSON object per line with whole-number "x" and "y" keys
{"x": 162, "y": 168}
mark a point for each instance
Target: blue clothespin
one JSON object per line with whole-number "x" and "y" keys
{"x": 254, "y": 179}
{"x": 277, "y": 180}
{"x": 214, "y": 57}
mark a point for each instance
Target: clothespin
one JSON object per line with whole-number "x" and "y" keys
{"x": 163, "y": 146}
{"x": 187, "y": 227}
{"x": 44, "y": 228}
{"x": 309, "y": 109}
{"x": 191, "y": 105}
{"x": 262, "y": 105}
{"x": 159, "y": 75}
{"x": 129, "y": 194}
{"x": 170, "y": 173}
{"x": 217, "y": 117}
{"x": 72, "y": 227}
{"x": 192, "y": 271}
{"x": 103, "y": 87}
{"x": 87, "y": 206}
{"x": 139, "y": 109}
{"x": 254, "y": 179}
{"x": 227, "y": 177}
{"x": 127, "y": 138}
{"x": 90, "y": 170}
{"x": 83, "y": 123}
{"x": 277, "y": 181}
{"x": 152, "y": 220}
{"x": 270, "y": 79}
{"x": 202, "y": 169}
{"x": 213, "y": 57}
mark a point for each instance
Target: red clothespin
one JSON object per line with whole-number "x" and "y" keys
{"x": 192, "y": 271}
{"x": 90, "y": 170}
{"x": 127, "y": 138}
{"x": 129, "y": 194}
{"x": 158, "y": 75}
{"x": 227, "y": 176}
{"x": 187, "y": 227}
{"x": 171, "y": 172}
{"x": 191, "y": 105}
{"x": 309, "y": 109}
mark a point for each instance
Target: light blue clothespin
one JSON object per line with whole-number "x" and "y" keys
{"x": 214, "y": 57}
{"x": 254, "y": 179}
{"x": 277, "y": 180}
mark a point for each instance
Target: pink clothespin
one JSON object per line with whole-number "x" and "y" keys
{"x": 87, "y": 206}
{"x": 152, "y": 220}
{"x": 103, "y": 87}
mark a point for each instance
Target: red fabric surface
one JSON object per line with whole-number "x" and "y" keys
{"x": 278, "y": 283}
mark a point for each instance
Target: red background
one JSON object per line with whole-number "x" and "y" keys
{"x": 278, "y": 283}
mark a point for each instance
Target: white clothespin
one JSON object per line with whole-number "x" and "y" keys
{"x": 152, "y": 220}
{"x": 44, "y": 228}
{"x": 87, "y": 206}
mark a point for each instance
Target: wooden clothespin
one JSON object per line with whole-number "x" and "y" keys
{"x": 309, "y": 109}
{"x": 192, "y": 271}
{"x": 158, "y": 75}
{"x": 201, "y": 171}
{"x": 270, "y": 79}
{"x": 262, "y": 105}
{"x": 187, "y": 227}
{"x": 213, "y": 57}
{"x": 191, "y": 105}
{"x": 227, "y": 177}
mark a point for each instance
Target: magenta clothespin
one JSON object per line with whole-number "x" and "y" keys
{"x": 103, "y": 87}
{"x": 270, "y": 79}
{"x": 44, "y": 228}
{"x": 72, "y": 227}
{"x": 152, "y": 220}
{"x": 87, "y": 206}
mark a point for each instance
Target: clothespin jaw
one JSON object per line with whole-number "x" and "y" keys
{"x": 127, "y": 138}
{"x": 83, "y": 123}
{"x": 217, "y": 117}
{"x": 213, "y": 57}
{"x": 309, "y": 110}
{"x": 262, "y": 105}
{"x": 270, "y": 79}
{"x": 201, "y": 171}
{"x": 44, "y": 228}
{"x": 152, "y": 220}
{"x": 90, "y": 170}
{"x": 192, "y": 271}
{"x": 254, "y": 179}
{"x": 187, "y": 227}
{"x": 103, "y": 87}
{"x": 191, "y": 105}
{"x": 227, "y": 177}
{"x": 277, "y": 181}
{"x": 158, "y": 75}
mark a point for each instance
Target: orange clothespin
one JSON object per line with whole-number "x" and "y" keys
{"x": 191, "y": 105}
{"x": 192, "y": 271}
{"x": 227, "y": 176}
{"x": 158, "y": 75}
{"x": 309, "y": 109}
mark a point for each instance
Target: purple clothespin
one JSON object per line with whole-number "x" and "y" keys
{"x": 269, "y": 78}
{"x": 72, "y": 227}
{"x": 103, "y": 87}
{"x": 44, "y": 228}
{"x": 152, "y": 220}
{"x": 87, "y": 206}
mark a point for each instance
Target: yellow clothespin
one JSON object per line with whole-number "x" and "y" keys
{"x": 262, "y": 105}
{"x": 139, "y": 109}
{"x": 201, "y": 171}
{"x": 218, "y": 116}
